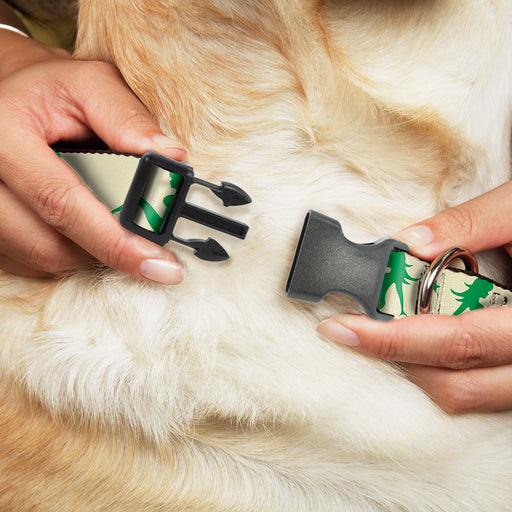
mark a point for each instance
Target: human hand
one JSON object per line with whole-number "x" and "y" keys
{"x": 51, "y": 222}
{"x": 463, "y": 362}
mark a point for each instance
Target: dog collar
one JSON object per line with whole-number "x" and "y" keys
{"x": 383, "y": 277}
{"x": 149, "y": 195}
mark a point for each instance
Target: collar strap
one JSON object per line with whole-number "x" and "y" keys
{"x": 149, "y": 195}
{"x": 383, "y": 277}
{"x": 445, "y": 291}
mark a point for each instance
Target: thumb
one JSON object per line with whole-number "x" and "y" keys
{"x": 119, "y": 118}
{"x": 479, "y": 224}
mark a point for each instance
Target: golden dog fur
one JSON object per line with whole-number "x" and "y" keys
{"x": 217, "y": 394}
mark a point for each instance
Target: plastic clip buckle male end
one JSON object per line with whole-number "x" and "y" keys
{"x": 326, "y": 262}
{"x": 208, "y": 249}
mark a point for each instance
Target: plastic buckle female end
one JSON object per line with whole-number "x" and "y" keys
{"x": 326, "y": 262}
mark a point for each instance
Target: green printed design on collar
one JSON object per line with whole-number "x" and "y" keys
{"x": 154, "y": 214}
{"x": 155, "y": 210}
{"x": 454, "y": 291}
{"x": 396, "y": 279}
{"x": 470, "y": 298}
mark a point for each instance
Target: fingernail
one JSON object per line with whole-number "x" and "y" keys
{"x": 416, "y": 237}
{"x": 164, "y": 143}
{"x": 161, "y": 271}
{"x": 338, "y": 333}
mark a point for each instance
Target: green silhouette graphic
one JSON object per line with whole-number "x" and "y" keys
{"x": 470, "y": 298}
{"x": 397, "y": 276}
{"x": 154, "y": 219}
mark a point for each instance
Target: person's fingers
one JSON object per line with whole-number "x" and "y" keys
{"x": 463, "y": 362}
{"x": 25, "y": 240}
{"x": 45, "y": 112}
{"x": 59, "y": 101}
{"x": 463, "y": 391}
{"x": 15, "y": 267}
{"x": 480, "y": 224}
{"x": 116, "y": 115}
{"x": 62, "y": 202}
{"x": 474, "y": 339}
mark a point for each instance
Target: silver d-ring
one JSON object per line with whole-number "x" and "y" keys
{"x": 442, "y": 261}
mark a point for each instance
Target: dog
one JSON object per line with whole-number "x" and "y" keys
{"x": 218, "y": 394}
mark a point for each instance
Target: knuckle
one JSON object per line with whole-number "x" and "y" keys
{"x": 54, "y": 205}
{"x": 115, "y": 250}
{"x": 460, "y": 220}
{"x": 42, "y": 257}
{"x": 105, "y": 67}
{"x": 460, "y": 394}
{"x": 98, "y": 68}
{"x": 133, "y": 116}
{"x": 465, "y": 348}
{"x": 388, "y": 347}
{"x": 128, "y": 120}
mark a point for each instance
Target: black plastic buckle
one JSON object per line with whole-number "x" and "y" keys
{"x": 208, "y": 249}
{"x": 326, "y": 262}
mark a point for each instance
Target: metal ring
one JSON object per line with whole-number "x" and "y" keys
{"x": 441, "y": 262}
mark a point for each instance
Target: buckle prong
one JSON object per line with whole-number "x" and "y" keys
{"x": 208, "y": 249}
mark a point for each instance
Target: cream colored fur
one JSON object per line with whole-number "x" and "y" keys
{"x": 218, "y": 395}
